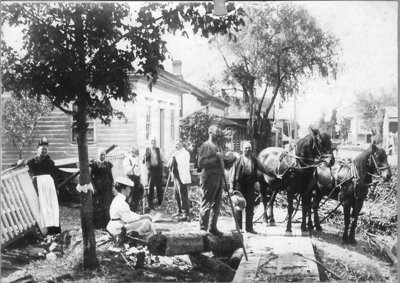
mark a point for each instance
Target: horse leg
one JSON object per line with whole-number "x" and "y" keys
{"x": 290, "y": 196}
{"x": 306, "y": 209}
{"x": 356, "y": 211}
{"x": 346, "y": 212}
{"x": 264, "y": 199}
{"x": 317, "y": 197}
{"x": 271, "y": 218}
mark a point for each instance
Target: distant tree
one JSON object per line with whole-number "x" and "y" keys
{"x": 194, "y": 131}
{"x": 279, "y": 45}
{"x": 82, "y": 54}
{"x": 19, "y": 120}
{"x": 371, "y": 108}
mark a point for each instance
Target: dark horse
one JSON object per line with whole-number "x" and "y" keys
{"x": 349, "y": 183}
{"x": 293, "y": 172}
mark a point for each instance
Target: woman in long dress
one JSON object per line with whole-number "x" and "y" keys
{"x": 102, "y": 180}
{"x": 44, "y": 171}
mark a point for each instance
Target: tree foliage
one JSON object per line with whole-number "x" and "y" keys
{"x": 83, "y": 54}
{"x": 19, "y": 120}
{"x": 194, "y": 130}
{"x": 280, "y": 45}
{"x": 372, "y": 109}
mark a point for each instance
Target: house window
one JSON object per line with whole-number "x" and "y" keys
{"x": 148, "y": 122}
{"x": 393, "y": 127}
{"x": 90, "y": 132}
{"x": 172, "y": 128}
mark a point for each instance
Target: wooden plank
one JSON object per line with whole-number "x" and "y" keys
{"x": 10, "y": 214}
{"x": 26, "y": 210}
{"x": 32, "y": 199}
{"x": 13, "y": 197}
{"x": 4, "y": 219}
{"x": 4, "y": 231}
{"x": 26, "y": 222}
{"x": 272, "y": 257}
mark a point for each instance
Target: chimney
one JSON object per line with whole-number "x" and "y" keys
{"x": 177, "y": 68}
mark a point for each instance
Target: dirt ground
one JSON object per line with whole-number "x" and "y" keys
{"x": 346, "y": 263}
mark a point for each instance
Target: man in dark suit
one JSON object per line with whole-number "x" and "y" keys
{"x": 245, "y": 176}
{"x": 154, "y": 163}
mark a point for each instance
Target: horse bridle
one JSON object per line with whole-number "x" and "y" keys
{"x": 377, "y": 168}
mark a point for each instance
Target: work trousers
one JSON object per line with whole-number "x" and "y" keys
{"x": 181, "y": 196}
{"x": 211, "y": 202}
{"x": 246, "y": 187}
{"x": 155, "y": 175}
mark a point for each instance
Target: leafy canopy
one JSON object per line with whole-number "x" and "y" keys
{"x": 279, "y": 45}
{"x": 20, "y": 117}
{"x": 87, "y": 51}
{"x": 194, "y": 129}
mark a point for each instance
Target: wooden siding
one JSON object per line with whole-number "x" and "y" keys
{"x": 123, "y": 132}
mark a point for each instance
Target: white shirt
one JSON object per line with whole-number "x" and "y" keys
{"x": 121, "y": 213}
{"x": 182, "y": 157}
{"x": 131, "y": 166}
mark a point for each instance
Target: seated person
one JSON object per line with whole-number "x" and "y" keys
{"x": 122, "y": 216}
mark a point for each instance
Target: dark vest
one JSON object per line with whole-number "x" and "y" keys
{"x": 148, "y": 156}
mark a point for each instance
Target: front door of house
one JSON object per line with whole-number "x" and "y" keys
{"x": 162, "y": 129}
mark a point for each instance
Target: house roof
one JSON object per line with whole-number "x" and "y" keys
{"x": 200, "y": 94}
{"x": 391, "y": 112}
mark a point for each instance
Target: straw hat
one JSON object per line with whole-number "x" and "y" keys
{"x": 124, "y": 181}
{"x": 238, "y": 201}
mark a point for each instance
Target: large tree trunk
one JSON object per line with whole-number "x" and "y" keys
{"x": 186, "y": 243}
{"x": 89, "y": 242}
{"x": 262, "y": 138}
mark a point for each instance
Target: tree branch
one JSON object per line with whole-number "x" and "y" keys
{"x": 68, "y": 112}
{"x": 262, "y": 98}
{"x": 223, "y": 56}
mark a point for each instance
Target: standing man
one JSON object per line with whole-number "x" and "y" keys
{"x": 179, "y": 164}
{"x": 131, "y": 169}
{"x": 154, "y": 163}
{"x": 245, "y": 176}
{"x": 212, "y": 163}
{"x": 44, "y": 171}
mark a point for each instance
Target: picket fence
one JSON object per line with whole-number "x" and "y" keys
{"x": 19, "y": 205}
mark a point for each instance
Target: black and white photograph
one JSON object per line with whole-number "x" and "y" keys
{"x": 199, "y": 141}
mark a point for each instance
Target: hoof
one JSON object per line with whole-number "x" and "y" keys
{"x": 272, "y": 223}
{"x": 288, "y": 233}
{"x": 304, "y": 229}
{"x": 318, "y": 228}
{"x": 310, "y": 228}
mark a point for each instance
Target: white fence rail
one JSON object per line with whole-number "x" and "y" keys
{"x": 19, "y": 205}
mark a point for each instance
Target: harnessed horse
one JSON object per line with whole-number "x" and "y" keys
{"x": 349, "y": 183}
{"x": 293, "y": 171}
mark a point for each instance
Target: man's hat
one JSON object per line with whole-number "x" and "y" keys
{"x": 230, "y": 157}
{"x": 124, "y": 181}
{"x": 43, "y": 141}
{"x": 238, "y": 201}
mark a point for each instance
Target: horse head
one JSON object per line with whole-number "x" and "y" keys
{"x": 378, "y": 163}
{"x": 322, "y": 146}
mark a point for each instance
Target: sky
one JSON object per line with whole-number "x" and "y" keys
{"x": 367, "y": 31}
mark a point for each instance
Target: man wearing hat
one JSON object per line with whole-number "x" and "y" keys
{"x": 122, "y": 216}
{"x": 244, "y": 178}
{"x": 44, "y": 171}
{"x": 212, "y": 162}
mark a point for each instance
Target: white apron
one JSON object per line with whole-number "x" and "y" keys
{"x": 48, "y": 201}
